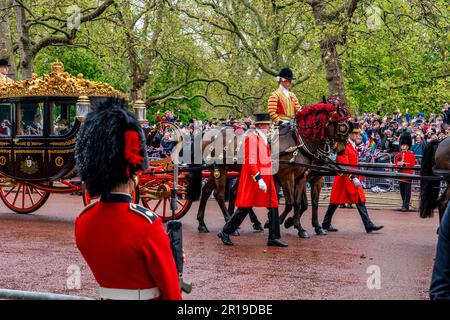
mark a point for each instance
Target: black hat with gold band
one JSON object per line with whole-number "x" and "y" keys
{"x": 4, "y": 63}
{"x": 261, "y": 118}
{"x": 354, "y": 127}
{"x": 110, "y": 147}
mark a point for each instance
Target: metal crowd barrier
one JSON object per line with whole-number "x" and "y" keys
{"x": 34, "y": 295}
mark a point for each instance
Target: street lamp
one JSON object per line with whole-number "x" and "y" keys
{"x": 83, "y": 108}
{"x": 140, "y": 110}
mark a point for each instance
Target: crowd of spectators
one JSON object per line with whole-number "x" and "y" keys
{"x": 379, "y": 133}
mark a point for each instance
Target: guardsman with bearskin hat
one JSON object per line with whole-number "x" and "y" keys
{"x": 348, "y": 188}
{"x": 405, "y": 158}
{"x": 256, "y": 185}
{"x": 4, "y": 69}
{"x": 125, "y": 245}
{"x": 283, "y": 104}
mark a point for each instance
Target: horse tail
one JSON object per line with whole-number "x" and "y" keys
{"x": 429, "y": 190}
{"x": 194, "y": 188}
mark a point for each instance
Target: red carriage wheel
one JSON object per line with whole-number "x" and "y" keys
{"x": 161, "y": 205}
{"x": 23, "y": 198}
{"x": 87, "y": 199}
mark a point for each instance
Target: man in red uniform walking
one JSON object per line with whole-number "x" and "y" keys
{"x": 348, "y": 189}
{"x": 405, "y": 158}
{"x": 125, "y": 245}
{"x": 256, "y": 186}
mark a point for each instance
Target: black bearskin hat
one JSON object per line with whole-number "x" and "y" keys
{"x": 110, "y": 147}
{"x": 405, "y": 138}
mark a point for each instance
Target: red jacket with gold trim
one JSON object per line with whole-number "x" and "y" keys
{"x": 127, "y": 247}
{"x": 344, "y": 190}
{"x": 257, "y": 164}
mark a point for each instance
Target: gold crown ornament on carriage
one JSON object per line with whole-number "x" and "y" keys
{"x": 39, "y": 122}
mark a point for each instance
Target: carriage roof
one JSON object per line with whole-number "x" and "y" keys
{"x": 58, "y": 83}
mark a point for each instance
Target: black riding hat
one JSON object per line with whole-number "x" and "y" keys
{"x": 4, "y": 63}
{"x": 286, "y": 73}
{"x": 353, "y": 127}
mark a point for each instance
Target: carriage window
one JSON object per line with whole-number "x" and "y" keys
{"x": 6, "y": 120}
{"x": 62, "y": 118}
{"x": 30, "y": 119}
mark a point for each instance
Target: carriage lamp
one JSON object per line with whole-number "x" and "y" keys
{"x": 140, "y": 110}
{"x": 83, "y": 108}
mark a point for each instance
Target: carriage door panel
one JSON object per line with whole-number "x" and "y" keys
{"x": 61, "y": 142}
{"x": 6, "y": 131}
{"x": 29, "y": 142}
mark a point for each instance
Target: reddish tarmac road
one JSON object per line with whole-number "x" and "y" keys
{"x": 37, "y": 250}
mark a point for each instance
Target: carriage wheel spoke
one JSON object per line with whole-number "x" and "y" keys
{"x": 30, "y": 196}
{"x": 164, "y": 207}
{"x": 17, "y": 194}
{"x": 10, "y": 190}
{"x": 24, "y": 191}
{"x": 157, "y": 205}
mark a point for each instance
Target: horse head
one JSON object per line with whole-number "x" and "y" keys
{"x": 324, "y": 124}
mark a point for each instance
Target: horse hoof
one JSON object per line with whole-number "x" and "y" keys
{"x": 266, "y": 225}
{"x": 303, "y": 234}
{"x": 320, "y": 231}
{"x": 289, "y": 222}
{"x": 202, "y": 229}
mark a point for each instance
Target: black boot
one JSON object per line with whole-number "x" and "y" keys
{"x": 368, "y": 224}
{"x": 326, "y": 224}
{"x": 225, "y": 238}
{"x": 274, "y": 229}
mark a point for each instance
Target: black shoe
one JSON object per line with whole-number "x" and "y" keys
{"x": 258, "y": 227}
{"x": 404, "y": 209}
{"x": 225, "y": 238}
{"x": 374, "y": 228}
{"x": 276, "y": 243}
{"x": 342, "y": 206}
{"x": 330, "y": 228}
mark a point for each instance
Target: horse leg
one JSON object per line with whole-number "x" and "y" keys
{"x": 287, "y": 209}
{"x": 300, "y": 206}
{"x": 207, "y": 191}
{"x": 233, "y": 195}
{"x": 219, "y": 194}
{"x": 316, "y": 187}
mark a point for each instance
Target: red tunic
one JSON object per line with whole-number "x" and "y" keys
{"x": 344, "y": 190}
{"x": 127, "y": 247}
{"x": 257, "y": 159}
{"x": 409, "y": 159}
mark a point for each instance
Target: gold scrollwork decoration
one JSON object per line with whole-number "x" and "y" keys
{"x": 59, "y": 161}
{"x": 42, "y": 152}
{"x": 63, "y": 151}
{"x": 2, "y": 160}
{"x": 63, "y": 143}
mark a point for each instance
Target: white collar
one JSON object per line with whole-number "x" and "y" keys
{"x": 262, "y": 134}
{"x": 352, "y": 143}
{"x": 4, "y": 77}
{"x": 284, "y": 90}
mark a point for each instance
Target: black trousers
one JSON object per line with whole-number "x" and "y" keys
{"x": 239, "y": 215}
{"x": 405, "y": 192}
{"x": 361, "y": 209}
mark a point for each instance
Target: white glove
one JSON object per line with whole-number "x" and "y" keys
{"x": 262, "y": 185}
{"x": 283, "y": 122}
{"x": 356, "y": 182}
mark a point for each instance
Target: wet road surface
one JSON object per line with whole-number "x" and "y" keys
{"x": 38, "y": 253}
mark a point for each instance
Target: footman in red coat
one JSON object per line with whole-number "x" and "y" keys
{"x": 125, "y": 245}
{"x": 256, "y": 185}
{"x": 348, "y": 189}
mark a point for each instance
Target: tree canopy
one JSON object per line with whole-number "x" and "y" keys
{"x": 217, "y": 58}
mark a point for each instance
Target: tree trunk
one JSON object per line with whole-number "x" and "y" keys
{"x": 25, "y": 48}
{"x": 6, "y": 46}
{"x": 333, "y": 69}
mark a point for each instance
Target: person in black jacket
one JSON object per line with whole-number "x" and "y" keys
{"x": 440, "y": 280}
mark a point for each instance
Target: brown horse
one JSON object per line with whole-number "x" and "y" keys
{"x": 295, "y": 146}
{"x": 435, "y": 160}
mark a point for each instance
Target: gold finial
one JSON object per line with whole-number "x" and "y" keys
{"x": 57, "y": 67}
